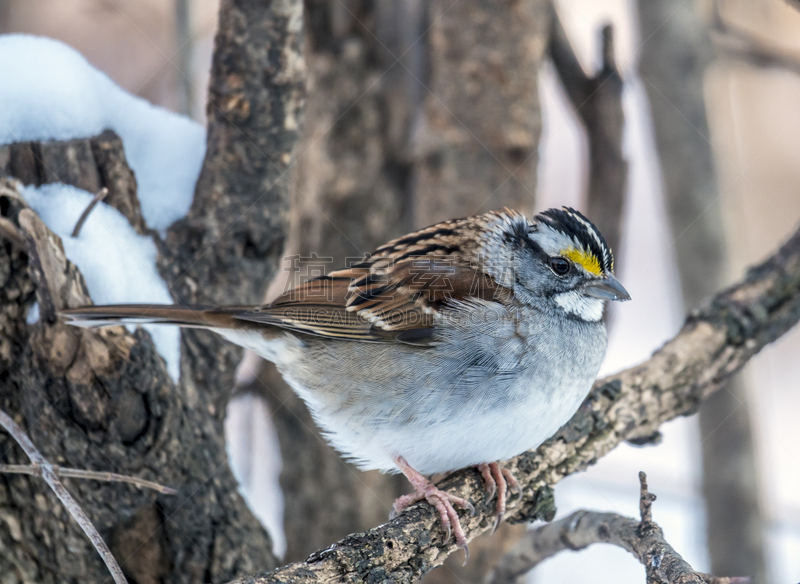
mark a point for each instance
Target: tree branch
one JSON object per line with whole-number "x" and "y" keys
{"x": 715, "y": 342}
{"x": 597, "y": 100}
{"x": 644, "y": 539}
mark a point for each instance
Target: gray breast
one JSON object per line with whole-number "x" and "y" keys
{"x": 493, "y": 360}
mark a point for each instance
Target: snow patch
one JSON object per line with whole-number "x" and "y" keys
{"x": 49, "y": 91}
{"x": 118, "y": 264}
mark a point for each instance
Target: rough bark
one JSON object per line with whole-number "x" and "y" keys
{"x": 102, "y": 400}
{"x": 86, "y": 163}
{"x": 644, "y": 539}
{"x": 477, "y": 146}
{"x": 597, "y": 101}
{"x": 350, "y": 194}
{"x": 227, "y": 248}
{"x": 715, "y": 342}
{"x": 673, "y": 64}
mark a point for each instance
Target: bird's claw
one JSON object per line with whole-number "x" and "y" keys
{"x": 497, "y": 480}
{"x": 498, "y": 519}
{"x": 469, "y": 507}
{"x": 465, "y": 547}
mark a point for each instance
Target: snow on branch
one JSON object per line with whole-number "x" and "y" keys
{"x": 716, "y": 341}
{"x": 644, "y": 539}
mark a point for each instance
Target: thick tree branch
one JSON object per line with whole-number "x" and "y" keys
{"x": 227, "y": 248}
{"x": 715, "y": 342}
{"x": 644, "y": 539}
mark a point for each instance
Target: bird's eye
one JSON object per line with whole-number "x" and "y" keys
{"x": 559, "y": 265}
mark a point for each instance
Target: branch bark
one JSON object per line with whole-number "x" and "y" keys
{"x": 86, "y": 163}
{"x": 716, "y": 341}
{"x": 644, "y": 539}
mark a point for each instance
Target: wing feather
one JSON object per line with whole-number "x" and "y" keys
{"x": 394, "y": 295}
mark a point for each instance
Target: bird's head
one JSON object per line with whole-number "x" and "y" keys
{"x": 560, "y": 258}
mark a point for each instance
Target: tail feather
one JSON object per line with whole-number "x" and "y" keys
{"x": 185, "y": 316}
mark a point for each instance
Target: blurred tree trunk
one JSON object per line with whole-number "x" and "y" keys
{"x": 350, "y": 195}
{"x": 476, "y": 148}
{"x": 597, "y": 101}
{"x": 673, "y": 62}
{"x": 4, "y": 14}
{"x": 477, "y": 143}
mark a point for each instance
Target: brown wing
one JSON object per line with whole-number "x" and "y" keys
{"x": 393, "y": 295}
{"x": 317, "y": 307}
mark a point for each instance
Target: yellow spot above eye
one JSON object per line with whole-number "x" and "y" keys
{"x": 585, "y": 259}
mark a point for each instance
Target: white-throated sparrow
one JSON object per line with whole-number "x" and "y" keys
{"x": 461, "y": 344}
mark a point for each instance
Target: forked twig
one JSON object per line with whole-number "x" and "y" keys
{"x": 50, "y": 477}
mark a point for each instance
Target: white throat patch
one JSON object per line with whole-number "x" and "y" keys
{"x": 582, "y": 306}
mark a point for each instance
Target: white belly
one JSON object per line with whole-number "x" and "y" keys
{"x": 495, "y": 435}
{"x": 440, "y": 408}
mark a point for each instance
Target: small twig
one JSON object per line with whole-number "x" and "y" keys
{"x": 111, "y": 477}
{"x": 66, "y": 499}
{"x": 646, "y": 499}
{"x": 101, "y": 194}
{"x": 644, "y": 539}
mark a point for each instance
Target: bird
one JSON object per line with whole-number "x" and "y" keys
{"x": 462, "y": 344}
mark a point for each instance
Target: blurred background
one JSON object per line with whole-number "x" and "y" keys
{"x": 679, "y": 134}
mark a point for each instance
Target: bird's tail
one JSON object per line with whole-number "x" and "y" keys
{"x": 186, "y": 316}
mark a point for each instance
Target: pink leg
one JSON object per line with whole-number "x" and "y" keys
{"x": 442, "y": 501}
{"x": 497, "y": 480}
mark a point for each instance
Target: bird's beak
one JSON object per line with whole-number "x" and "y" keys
{"x": 607, "y": 288}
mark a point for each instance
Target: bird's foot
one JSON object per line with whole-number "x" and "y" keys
{"x": 497, "y": 480}
{"x": 441, "y": 500}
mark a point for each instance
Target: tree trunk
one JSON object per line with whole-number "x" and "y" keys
{"x": 477, "y": 147}
{"x": 102, "y": 400}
